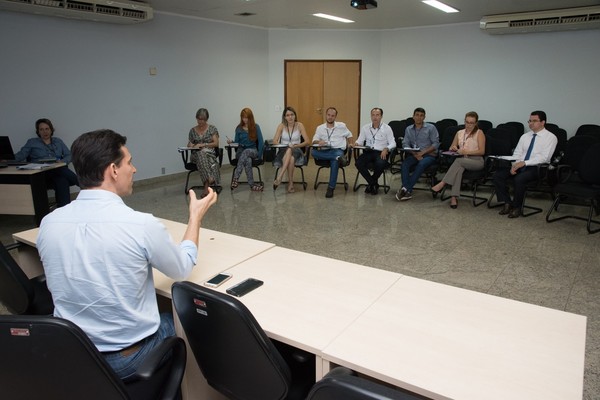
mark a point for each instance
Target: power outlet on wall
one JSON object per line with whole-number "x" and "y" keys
{"x": 163, "y": 170}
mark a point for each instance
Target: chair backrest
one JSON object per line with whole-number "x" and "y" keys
{"x": 589, "y": 130}
{"x": 577, "y": 146}
{"x": 589, "y": 167}
{"x": 485, "y": 125}
{"x": 51, "y": 358}
{"x": 561, "y": 136}
{"x": 341, "y": 384}
{"x": 233, "y": 352}
{"x": 16, "y": 291}
{"x": 398, "y": 128}
{"x": 443, "y": 124}
{"x": 498, "y": 142}
{"x": 514, "y": 131}
{"x": 447, "y": 137}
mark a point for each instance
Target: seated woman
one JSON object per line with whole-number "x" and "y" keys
{"x": 46, "y": 147}
{"x": 249, "y": 138}
{"x": 291, "y": 133}
{"x": 470, "y": 143}
{"x": 206, "y": 138}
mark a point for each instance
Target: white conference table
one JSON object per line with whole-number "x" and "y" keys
{"x": 449, "y": 343}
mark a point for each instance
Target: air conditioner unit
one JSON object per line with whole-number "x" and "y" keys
{"x": 543, "y": 21}
{"x": 116, "y": 12}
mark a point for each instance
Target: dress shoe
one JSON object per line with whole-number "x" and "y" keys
{"x": 368, "y": 189}
{"x": 455, "y": 205}
{"x": 506, "y": 209}
{"x": 514, "y": 213}
{"x": 329, "y": 193}
{"x": 375, "y": 190}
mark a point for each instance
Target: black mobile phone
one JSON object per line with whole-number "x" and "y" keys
{"x": 244, "y": 287}
{"x": 218, "y": 279}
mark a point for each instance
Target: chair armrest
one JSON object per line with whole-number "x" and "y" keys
{"x": 229, "y": 156}
{"x": 12, "y": 246}
{"x": 152, "y": 361}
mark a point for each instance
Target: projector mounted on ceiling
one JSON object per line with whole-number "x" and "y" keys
{"x": 363, "y": 4}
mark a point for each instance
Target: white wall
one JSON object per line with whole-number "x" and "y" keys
{"x": 84, "y": 76}
{"x": 452, "y": 69}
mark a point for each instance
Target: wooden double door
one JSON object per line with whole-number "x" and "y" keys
{"x": 311, "y": 86}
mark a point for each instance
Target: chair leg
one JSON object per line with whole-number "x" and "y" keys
{"x": 187, "y": 181}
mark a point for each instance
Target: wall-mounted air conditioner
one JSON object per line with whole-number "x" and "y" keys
{"x": 116, "y": 12}
{"x": 543, "y": 21}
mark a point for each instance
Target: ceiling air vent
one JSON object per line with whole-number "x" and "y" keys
{"x": 117, "y": 12}
{"x": 543, "y": 21}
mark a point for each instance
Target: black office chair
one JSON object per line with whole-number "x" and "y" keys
{"x": 186, "y": 157}
{"x": 327, "y": 164}
{"x": 398, "y": 128}
{"x": 514, "y": 131}
{"x": 233, "y": 352}
{"x": 443, "y": 124}
{"x": 50, "y": 358}
{"x": 485, "y": 125}
{"x": 588, "y": 130}
{"x": 582, "y": 188}
{"x": 18, "y": 293}
{"x": 300, "y": 165}
{"x": 256, "y": 163}
{"x": 343, "y": 384}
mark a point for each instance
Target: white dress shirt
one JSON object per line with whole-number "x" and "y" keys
{"x": 543, "y": 148}
{"x": 98, "y": 256}
{"x": 377, "y": 138}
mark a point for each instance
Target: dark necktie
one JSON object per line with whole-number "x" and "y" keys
{"x": 530, "y": 149}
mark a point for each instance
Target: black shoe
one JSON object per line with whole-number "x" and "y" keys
{"x": 368, "y": 189}
{"x": 506, "y": 209}
{"x": 342, "y": 161}
{"x": 514, "y": 213}
{"x": 329, "y": 193}
{"x": 375, "y": 190}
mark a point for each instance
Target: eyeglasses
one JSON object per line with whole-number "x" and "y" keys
{"x": 470, "y": 123}
{"x": 531, "y": 121}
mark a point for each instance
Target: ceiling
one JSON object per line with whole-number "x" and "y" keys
{"x": 390, "y": 14}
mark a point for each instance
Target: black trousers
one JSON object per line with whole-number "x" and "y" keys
{"x": 502, "y": 178}
{"x": 371, "y": 159}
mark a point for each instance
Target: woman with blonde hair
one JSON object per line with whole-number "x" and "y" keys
{"x": 470, "y": 144}
{"x": 249, "y": 138}
{"x": 289, "y": 132}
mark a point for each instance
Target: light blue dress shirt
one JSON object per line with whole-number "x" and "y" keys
{"x": 98, "y": 256}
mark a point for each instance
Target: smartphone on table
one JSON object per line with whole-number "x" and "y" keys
{"x": 218, "y": 279}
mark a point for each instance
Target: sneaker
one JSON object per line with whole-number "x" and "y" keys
{"x": 342, "y": 161}
{"x": 329, "y": 193}
{"x": 400, "y": 193}
{"x": 407, "y": 196}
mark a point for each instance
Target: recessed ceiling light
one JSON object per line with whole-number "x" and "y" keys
{"x": 333, "y": 18}
{"x": 440, "y": 6}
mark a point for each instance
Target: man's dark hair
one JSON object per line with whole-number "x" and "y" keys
{"x": 93, "y": 152}
{"x": 540, "y": 114}
{"x": 419, "y": 109}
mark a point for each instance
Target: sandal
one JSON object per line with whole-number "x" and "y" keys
{"x": 256, "y": 188}
{"x": 234, "y": 184}
{"x": 276, "y": 183}
{"x": 291, "y": 189}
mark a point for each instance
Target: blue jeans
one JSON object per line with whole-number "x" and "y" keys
{"x": 331, "y": 155}
{"x": 125, "y": 366}
{"x": 409, "y": 180}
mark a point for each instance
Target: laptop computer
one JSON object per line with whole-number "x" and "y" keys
{"x": 6, "y": 152}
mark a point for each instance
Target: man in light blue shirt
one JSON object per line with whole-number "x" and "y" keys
{"x": 98, "y": 255}
{"x": 424, "y": 138}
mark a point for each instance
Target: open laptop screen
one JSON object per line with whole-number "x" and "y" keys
{"x": 6, "y": 150}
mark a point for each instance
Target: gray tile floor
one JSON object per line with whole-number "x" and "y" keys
{"x": 553, "y": 265}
